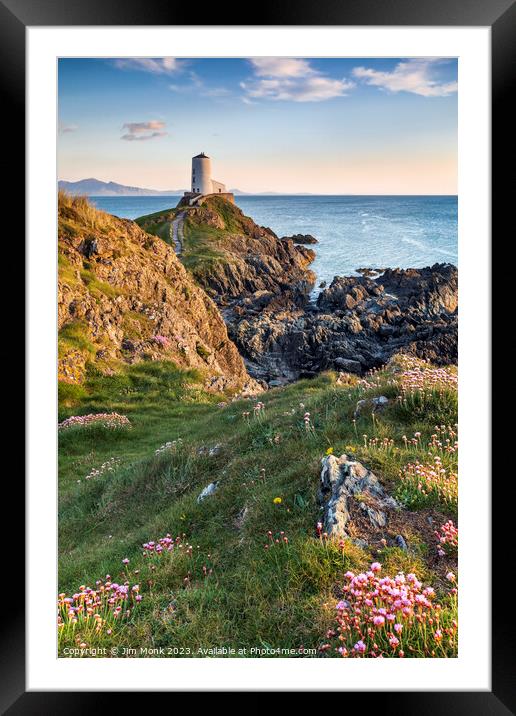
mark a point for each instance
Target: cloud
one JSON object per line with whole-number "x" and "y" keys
{"x": 281, "y": 67}
{"x": 415, "y": 76}
{"x": 67, "y": 128}
{"x": 308, "y": 89}
{"x": 291, "y": 79}
{"x": 156, "y": 65}
{"x": 198, "y": 86}
{"x": 141, "y": 131}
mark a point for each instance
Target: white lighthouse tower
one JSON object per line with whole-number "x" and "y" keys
{"x": 202, "y": 183}
{"x": 201, "y": 174}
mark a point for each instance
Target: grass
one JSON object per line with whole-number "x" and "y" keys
{"x": 76, "y": 335}
{"x": 97, "y": 287}
{"x": 76, "y": 211}
{"x": 223, "y": 587}
{"x": 203, "y": 245}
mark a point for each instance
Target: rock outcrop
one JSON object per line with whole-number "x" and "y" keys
{"x": 301, "y": 239}
{"x": 347, "y": 488}
{"x": 123, "y": 297}
{"x": 357, "y": 324}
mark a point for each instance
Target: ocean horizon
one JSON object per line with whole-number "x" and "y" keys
{"x": 370, "y": 231}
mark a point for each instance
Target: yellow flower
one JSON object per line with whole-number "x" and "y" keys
{"x": 329, "y": 451}
{"x": 277, "y": 500}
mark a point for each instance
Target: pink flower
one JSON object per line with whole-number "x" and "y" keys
{"x": 376, "y": 567}
{"x": 450, "y": 577}
{"x": 360, "y": 646}
{"x": 379, "y": 620}
{"x": 398, "y": 628}
{"x": 125, "y": 561}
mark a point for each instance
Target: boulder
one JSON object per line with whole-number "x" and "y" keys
{"x": 208, "y": 491}
{"x": 400, "y": 542}
{"x": 346, "y": 484}
{"x": 370, "y": 405}
{"x": 301, "y": 239}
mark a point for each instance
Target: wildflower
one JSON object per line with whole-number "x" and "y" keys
{"x": 376, "y": 567}
{"x": 108, "y": 420}
{"x": 329, "y": 451}
{"x": 372, "y": 602}
{"x": 162, "y": 341}
{"x": 450, "y": 577}
{"x": 277, "y": 500}
{"x": 125, "y": 561}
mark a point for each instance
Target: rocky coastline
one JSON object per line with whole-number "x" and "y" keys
{"x": 356, "y": 323}
{"x": 238, "y": 301}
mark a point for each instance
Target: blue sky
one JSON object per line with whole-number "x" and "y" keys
{"x": 327, "y": 126}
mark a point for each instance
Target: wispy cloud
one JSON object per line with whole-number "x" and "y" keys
{"x": 291, "y": 79}
{"x": 416, "y": 76}
{"x": 156, "y": 65}
{"x": 142, "y": 131}
{"x": 67, "y": 128}
{"x": 196, "y": 84}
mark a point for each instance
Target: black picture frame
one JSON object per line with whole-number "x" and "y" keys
{"x": 500, "y": 16}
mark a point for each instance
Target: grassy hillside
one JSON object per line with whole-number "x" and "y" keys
{"x": 125, "y": 298}
{"x": 249, "y": 567}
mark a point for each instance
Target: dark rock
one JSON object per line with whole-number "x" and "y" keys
{"x": 128, "y": 345}
{"x": 355, "y": 325}
{"x": 348, "y": 365}
{"x": 89, "y": 247}
{"x": 301, "y": 239}
{"x": 400, "y": 542}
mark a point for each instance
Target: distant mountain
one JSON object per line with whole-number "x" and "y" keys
{"x": 95, "y": 187}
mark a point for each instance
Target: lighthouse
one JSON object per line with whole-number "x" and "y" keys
{"x": 202, "y": 183}
{"x": 201, "y": 174}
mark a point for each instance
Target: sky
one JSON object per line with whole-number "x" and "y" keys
{"x": 287, "y": 125}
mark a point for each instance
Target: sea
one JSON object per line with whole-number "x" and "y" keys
{"x": 353, "y": 231}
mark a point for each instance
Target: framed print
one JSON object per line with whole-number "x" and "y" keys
{"x": 252, "y": 358}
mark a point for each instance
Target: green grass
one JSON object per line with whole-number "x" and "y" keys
{"x": 75, "y": 336}
{"x": 203, "y": 245}
{"x": 97, "y": 287}
{"x": 282, "y": 597}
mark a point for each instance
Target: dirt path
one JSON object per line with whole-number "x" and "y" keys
{"x": 176, "y": 232}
